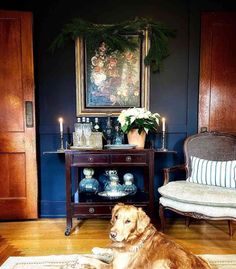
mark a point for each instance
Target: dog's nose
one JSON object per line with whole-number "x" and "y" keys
{"x": 113, "y": 234}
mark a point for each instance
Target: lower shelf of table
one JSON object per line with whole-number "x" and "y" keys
{"x": 94, "y": 206}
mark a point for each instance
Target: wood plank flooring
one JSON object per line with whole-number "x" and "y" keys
{"x": 46, "y": 237}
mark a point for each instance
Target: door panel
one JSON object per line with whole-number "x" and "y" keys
{"x": 18, "y": 171}
{"x": 11, "y": 78}
{"x": 217, "y": 96}
{"x": 11, "y": 179}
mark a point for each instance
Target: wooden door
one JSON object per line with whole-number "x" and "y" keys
{"x": 217, "y": 96}
{"x": 18, "y": 172}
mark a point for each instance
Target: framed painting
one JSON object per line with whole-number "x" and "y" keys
{"x": 110, "y": 81}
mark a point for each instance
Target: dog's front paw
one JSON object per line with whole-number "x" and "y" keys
{"x": 96, "y": 251}
{"x": 103, "y": 254}
{"x": 102, "y": 251}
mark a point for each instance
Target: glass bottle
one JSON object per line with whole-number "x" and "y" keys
{"x": 89, "y": 184}
{"x": 87, "y": 130}
{"x": 118, "y": 137}
{"x": 108, "y": 131}
{"x": 128, "y": 185}
{"x": 77, "y": 134}
{"x": 113, "y": 184}
{"x": 77, "y": 124}
{"x": 82, "y": 137}
{"x": 96, "y": 127}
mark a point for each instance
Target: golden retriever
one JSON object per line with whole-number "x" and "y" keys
{"x": 138, "y": 245}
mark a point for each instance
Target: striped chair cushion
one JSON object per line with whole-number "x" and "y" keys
{"x": 216, "y": 173}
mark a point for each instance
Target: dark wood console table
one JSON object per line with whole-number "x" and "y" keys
{"x": 92, "y": 206}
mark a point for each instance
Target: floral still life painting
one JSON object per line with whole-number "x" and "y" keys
{"x": 113, "y": 77}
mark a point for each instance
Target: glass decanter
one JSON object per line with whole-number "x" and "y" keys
{"x": 89, "y": 184}
{"x": 113, "y": 184}
{"x": 129, "y": 185}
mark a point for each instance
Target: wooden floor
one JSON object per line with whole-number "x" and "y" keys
{"x": 46, "y": 237}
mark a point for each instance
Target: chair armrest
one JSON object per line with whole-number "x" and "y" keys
{"x": 168, "y": 171}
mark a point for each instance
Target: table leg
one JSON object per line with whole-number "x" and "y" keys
{"x": 151, "y": 183}
{"x": 68, "y": 196}
{"x": 68, "y": 227}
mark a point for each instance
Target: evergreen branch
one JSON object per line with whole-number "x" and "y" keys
{"x": 116, "y": 37}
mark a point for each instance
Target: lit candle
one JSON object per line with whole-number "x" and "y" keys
{"x": 61, "y": 124}
{"x": 163, "y": 124}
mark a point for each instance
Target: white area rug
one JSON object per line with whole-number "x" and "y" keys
{"x": 73, "y": 262}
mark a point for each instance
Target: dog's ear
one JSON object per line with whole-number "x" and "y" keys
{"x": 114, "y": 210}
{"x": 142, "y": 221}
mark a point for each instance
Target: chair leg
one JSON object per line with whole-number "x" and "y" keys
{"x": 187, "y": 221}
{"x": 162, "y": 217}
{"x": 230, "y": 225}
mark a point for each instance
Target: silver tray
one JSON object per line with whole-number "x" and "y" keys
{"x": 82, "y": 147}
{"x": 122, "y": 146}
{"x": 113, "y": 194}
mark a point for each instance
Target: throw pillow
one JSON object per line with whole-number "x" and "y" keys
{"x": 216, "y": 173}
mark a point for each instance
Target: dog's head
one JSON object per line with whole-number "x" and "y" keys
{"x": 128, "y": 222}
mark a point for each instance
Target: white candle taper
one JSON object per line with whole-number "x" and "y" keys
{"x": 61, "y": 133}
{"x": 61, "y": 124}
{"x": 163, "y": 124}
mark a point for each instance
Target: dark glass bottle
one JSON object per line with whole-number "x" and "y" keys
{"x": 108, "y": 131}
{"x": 96, "y": 126}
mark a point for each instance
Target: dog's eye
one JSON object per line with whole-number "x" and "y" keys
{"x": 127, "y": 221}
{"x": 116, "y": 217}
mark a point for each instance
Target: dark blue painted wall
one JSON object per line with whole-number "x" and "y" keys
{"x": 174, "y": 91}
{"x": 56, "y": 88}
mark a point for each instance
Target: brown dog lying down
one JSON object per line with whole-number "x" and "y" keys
{"x": 138, "y": 245}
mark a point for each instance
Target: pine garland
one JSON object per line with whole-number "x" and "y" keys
{"x": 115, "y": 36}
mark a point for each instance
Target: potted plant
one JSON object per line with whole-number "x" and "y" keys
{"x": 137, "y": 122}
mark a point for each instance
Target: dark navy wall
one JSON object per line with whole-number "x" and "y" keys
{"x": 174, "y": 91}
{"x": 56, "y": 88}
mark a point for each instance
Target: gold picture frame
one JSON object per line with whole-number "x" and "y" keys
{"x": 109, "y": 83}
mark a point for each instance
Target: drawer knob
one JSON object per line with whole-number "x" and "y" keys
{"x": 128, "y": 159}
{"x": 91, "y": 210}
{"x": 90, "y": 159}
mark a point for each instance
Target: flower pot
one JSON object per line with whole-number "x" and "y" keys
{"x": 135, "y": 138}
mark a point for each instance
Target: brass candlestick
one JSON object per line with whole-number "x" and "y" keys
{"x": 61, "y": 141}
{"x": 163, "y": 142}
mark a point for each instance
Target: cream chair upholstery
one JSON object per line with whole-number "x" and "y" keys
{"x": 199, "y": 200}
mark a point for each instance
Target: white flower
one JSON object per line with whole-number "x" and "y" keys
{"x": 122, "y": 118}
{"x": 138, "y": 118}
{"x": 157, "y": 121}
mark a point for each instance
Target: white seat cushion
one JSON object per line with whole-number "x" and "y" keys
{"x": 188, "y": 192}
{"x": 210, "y": 211}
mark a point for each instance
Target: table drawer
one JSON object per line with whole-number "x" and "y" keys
{"x": 91, "y": 158}
{"x": 129, "y": 158}
{"x": 92, "y": 210}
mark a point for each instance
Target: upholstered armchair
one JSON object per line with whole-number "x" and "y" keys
{"x": 209, "y": 191}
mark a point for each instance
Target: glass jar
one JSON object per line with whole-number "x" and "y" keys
{"x": 129, "y": 185}
{"x": 89, "y": 184}
{"x": 113, "y": 184}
